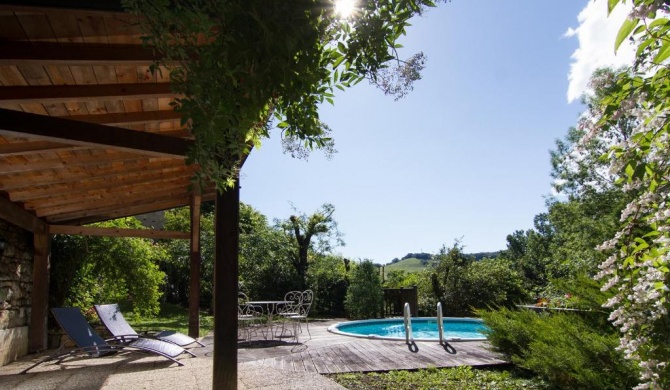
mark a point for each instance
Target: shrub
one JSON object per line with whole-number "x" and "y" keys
{"x": 568, "y": 349}
{"x": 365, "y": 298}
{"x": 463, "y": 284}
{"x": 87, "y": 270}
{"x": 328, "y": 279}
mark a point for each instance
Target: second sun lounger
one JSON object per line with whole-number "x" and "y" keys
{"x": 116, "y": 324}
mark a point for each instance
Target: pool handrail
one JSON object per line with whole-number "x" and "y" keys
{"x": 440, "y": 323}
{"x": 408, "y": 324}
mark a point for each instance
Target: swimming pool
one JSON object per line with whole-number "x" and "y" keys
{"x": 423, "y": 329}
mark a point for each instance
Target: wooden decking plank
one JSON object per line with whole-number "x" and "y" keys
{"x": 400, "y": 357}
{"x": 326, "y": 360}
{"x": 349, "y": 358}
{"x": 377, "y": 361}
{"x": 318, "y": 362}
{"x": 336, "y": 360}
{"x": 307, "y": 362}
{"x": 361, "y": 359}
{"x": 437, "y": 354}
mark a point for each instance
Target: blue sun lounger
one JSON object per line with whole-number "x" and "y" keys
{"x": 90, "y": 343}
{"x": 116, "y": 324}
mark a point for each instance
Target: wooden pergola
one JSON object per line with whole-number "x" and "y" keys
{"x": 88, "y": 134}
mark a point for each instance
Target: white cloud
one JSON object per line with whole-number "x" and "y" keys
{"x": 596, "y": 33}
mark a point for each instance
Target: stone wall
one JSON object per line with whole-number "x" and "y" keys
{"x": 16, "y": 269}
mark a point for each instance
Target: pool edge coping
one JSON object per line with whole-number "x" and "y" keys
{"x": 333, "y": 329}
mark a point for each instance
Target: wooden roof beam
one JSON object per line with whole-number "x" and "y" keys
{"x": 26, "y": 53}
{"x": 31, "y": 147}
{"x": 127, "y": 118}
{"x": 135, "y": 210}
{"x": 21, "y": 218}
{"x": 141, "y": 206}
{"x": 97, "y": 183}
{"x": 19, "y": 181}
{"x": 91, "y": 134}
{"x": 78, "y": 93}
{"x": 117, "y": 232}
{"x": 58, "y": 200}
{"x": 114, "y": 202}
{"x": 68, "y": 7}
{"x": 63, "y": 163}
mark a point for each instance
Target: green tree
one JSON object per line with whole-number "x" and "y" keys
{"x": 328, "y": 278}
{"x": 316, "y": 233}
{"x": 462, "y": 284}
{"x": 636, "y": 264}
{"x": 87, "y": 270}
{"x": 240, "y": 63}
{"x": 177, "y": 264}
{"x": 365, "y": 298}
{"x": 266, "y": 270}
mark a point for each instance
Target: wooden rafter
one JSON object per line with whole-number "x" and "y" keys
{"x": 30, "y": 147}
{"x": 107, "y": 214}
{"x": 63, "y": 163}
{"x": 80, "y": 133}
{"x": 128, "y": 118}
{"x": 177, "y": 183}
{"x": 21, "y": 218}
{"x": 111, "y": 203}
{"x": 93, "y": 185}
{"x": 67, "y": 7}
{"x": 116, "y": 232}
{"x": 15, "y": 181}
{"x": 47, "y": 94}
{"x": 26, "y": 53}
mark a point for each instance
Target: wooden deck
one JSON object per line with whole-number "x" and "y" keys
{"x": 362, "y": 355}
{"x": 327, "y": 353}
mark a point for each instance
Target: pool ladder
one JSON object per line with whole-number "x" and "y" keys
{"x": 440, "y": 323}
{"x": 409, "y": 338}
{"x": 408, "y": 324}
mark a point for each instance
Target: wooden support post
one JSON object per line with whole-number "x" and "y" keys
{"x": 40, "y": 297}
{"x": 225, "y": 288}
{"x": 194, "y": 279}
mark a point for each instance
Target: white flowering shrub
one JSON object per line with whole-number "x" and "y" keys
{"x": 637, "y": 268}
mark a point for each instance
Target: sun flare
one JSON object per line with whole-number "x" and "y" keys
{"x": 345, "y": 8}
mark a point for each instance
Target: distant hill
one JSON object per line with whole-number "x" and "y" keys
{"x": 413, "y": 264}
{"x": 484, "y": 255}
{"x": 410, "y": 265}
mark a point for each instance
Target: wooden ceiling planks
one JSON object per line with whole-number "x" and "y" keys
{"x": 95, "y": 158}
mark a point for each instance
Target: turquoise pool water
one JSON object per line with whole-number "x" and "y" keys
{"x": 423, "y": 329}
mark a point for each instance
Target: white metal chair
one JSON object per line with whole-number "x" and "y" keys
{"x": 289, "y": 309}
{"x": 249, "y": 317}
{"x": 307, "y": 297}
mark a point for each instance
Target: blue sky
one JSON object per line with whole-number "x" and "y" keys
{"x": 463, "y": 156}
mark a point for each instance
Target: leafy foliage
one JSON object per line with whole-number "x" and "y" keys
{"x": 364, "y": 297}
{"x": 637, "y": 266}
{"x": 558, "y": 246}
{"x": 177, "y": 262}
{"x": 315, "y": 233}
{"x": 329, "y": 280}
{"x": 87, "y": 270}
{"x": 563, "y": 349}
{"x": 463, "y": 284}
{"x": 242, "y": 62}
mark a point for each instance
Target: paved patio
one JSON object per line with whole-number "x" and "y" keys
{"x": 278, "y": 364}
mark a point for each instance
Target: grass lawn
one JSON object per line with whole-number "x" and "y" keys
{"x": 171, "y": 317}
{"x": 459, "y": 378}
